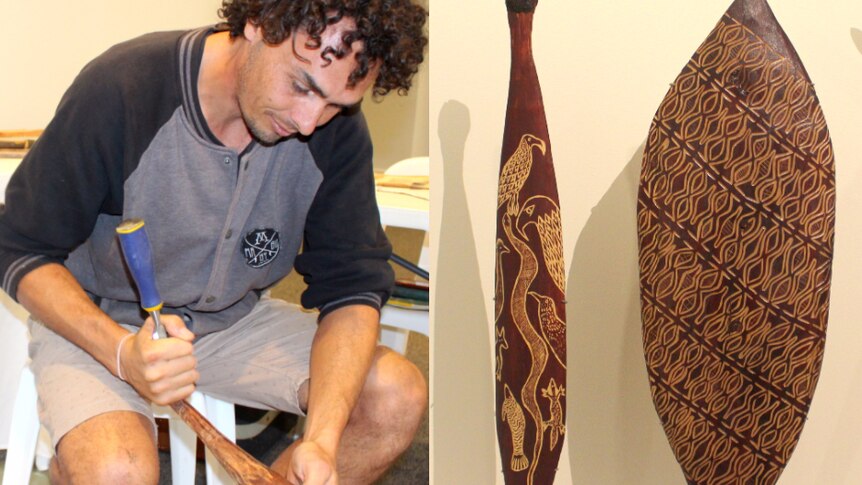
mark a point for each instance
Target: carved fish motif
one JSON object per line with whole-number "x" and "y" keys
{"x": 514, "y": 415}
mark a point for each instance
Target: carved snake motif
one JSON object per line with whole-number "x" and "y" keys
{"x": 538, "y": 349}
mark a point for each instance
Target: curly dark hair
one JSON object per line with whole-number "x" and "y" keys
{"x": 391, "y": 32}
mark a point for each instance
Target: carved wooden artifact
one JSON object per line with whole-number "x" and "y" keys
{"x": 530, "y": 278}
{"x": 241, "y": 466}
{"x": 736, "y": 217}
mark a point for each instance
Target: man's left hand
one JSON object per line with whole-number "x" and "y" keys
{"x": 310, "y": 464}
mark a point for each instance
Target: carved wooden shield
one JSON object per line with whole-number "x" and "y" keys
{"x": 530, "y": 278}
{"x": 736, "y": 214}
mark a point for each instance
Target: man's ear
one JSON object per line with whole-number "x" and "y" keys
{"x": 252, "y": 32}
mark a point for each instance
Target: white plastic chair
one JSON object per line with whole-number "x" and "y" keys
{"x": 396, "y": 322}
{"x": 184, "y": 440}
{"x": 25, "y": 432}
{"x": 410, "y": 166}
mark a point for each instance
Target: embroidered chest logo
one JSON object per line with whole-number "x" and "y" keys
{"x": 260, "y": 247}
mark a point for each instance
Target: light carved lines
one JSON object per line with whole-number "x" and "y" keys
{"x": 716, "y": 425}
{"x": 698, "y": 339}
{"x": 736, "y": 228}
{"x": 709, "y": 257}
{"x": 739, "y": 195}
{"x": 710, "y": 70}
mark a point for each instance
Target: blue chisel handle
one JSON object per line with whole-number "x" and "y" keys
{"x": 139, "y": 258}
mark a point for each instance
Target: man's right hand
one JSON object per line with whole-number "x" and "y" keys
{"x": 163, "y": 370}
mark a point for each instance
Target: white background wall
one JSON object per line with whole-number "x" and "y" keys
{"x": 604, "y": 68}
{"x": 399, "y": 124}
{"x": 46, "y": 43}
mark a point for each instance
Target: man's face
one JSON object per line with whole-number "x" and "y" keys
{"x": 288, "y": 88}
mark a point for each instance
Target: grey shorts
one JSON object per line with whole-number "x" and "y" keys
{"x": 261, "y": 362}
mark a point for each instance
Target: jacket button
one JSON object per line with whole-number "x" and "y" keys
{"x": 210, "y": 299}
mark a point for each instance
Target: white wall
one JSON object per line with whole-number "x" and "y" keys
{"x": 46, "y": 43}
{"x": 604, "y": 68}
{"x": 399, "y": 124}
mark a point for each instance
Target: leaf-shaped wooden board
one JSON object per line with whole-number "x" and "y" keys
{"x": 736, "y": 219}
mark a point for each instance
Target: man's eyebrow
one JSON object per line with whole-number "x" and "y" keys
{"x": 312, "y": 84}
{"x": 314, "y": 87}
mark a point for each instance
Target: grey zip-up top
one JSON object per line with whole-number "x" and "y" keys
{"x": 129, "y": 140}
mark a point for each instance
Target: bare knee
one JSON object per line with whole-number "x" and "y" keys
{"x": 108, "y": 451}
{"x": 115, "y": 466}
{"x": 112, "y": 468}
{"x": 395, "y": 393}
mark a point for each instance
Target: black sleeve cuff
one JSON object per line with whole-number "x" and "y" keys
{"x": 372, "y": 299}
{"x": 18, "y": 268}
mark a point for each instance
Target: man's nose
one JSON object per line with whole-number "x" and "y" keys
{"x": 308, "y": 116}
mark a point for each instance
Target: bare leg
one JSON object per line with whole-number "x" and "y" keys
{"x": 111, "y": 448}
{"x": 383, "y": 423}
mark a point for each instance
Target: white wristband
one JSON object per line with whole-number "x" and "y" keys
{"x": 120, "y": 351}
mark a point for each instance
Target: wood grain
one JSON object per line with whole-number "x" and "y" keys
{"x": 736, "y": 221}
{"x": 241, "y": 466}
{"x": 530, "y": 310}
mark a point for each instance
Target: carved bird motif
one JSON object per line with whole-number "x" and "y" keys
{"x": 544, "y": 213}
{"x": 553, "y": 393}
{"x": 512, "y": 412}
{"x": 499, "y": 294}
{"x": 516, "y": 170}
{"x": 502, "y": 344}
{"x": 553, "y": 328}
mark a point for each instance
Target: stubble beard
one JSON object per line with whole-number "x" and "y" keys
{"x": 262, "y": 136}
{"x": 255, "y": 128}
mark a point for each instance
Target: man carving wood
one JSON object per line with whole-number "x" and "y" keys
{"x": 237, "y": 143}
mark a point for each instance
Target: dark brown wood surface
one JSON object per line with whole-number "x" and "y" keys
{"x": 529, "y": 296}
{"x": 241, "y": 466}
{"x": 736, "y": 218}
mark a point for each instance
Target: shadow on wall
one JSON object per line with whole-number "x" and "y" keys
{"x": 838, "y": 456}
{"x": 856, "y": 35}
{"x": 464, "y": 450}
{"x": 615, "y": 435}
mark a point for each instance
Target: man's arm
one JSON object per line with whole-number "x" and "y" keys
{"x": 345, "y": 263}
{"x": 341, "y": 356}
{"x": 163, "y": 371}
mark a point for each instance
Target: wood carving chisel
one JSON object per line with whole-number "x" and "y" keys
{"x": 139, "y": 258}
{"x": 241, "y": 466}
